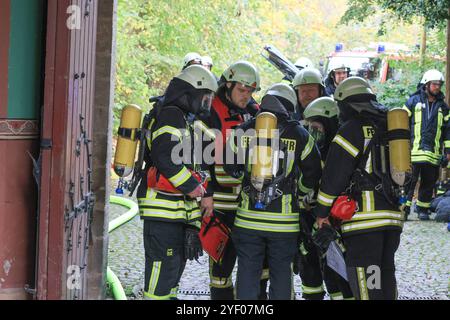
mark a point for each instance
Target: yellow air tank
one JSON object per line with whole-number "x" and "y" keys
{"x": 399, "y": 145}
{"x": 127, "y": 140}
{"x": 263, "y": 154}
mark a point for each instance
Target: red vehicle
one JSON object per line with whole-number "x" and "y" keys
{"x": 370, "y": 64}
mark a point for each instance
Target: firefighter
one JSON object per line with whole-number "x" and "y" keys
{"x": 336, "y": 75}
{"x": 167, "y": 196}
{"x": 322, "y": 118}
{"x": 270, "y": 227}
{"x": 303, "y": 63}
{"x": 232, "y": 105}
{"x": 355, "y": 169}
{"x": 430, "y": 131}
{"x": 192, "y": 58}
{"x": 207, "y": 62}
{"x": 309, "y": 86}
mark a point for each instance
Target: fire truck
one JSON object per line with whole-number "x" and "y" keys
{"x": 371, "y": 63}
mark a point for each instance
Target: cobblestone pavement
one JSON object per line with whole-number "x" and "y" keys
{"x": 422, "y": 262}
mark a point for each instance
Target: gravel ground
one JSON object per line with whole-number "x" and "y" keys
{"x": 422, "y": 262}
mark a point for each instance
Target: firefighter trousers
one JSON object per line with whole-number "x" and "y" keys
{"x": 220, "y": 273}
{"x": 370, "y": 264}
{"x": 164, "y": 259}
{"x": 428, "y": 175}
{"x": 313, "y": 270}
{"x": 252, "y": 248}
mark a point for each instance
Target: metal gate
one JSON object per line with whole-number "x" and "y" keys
{"x": 66, "y": 198}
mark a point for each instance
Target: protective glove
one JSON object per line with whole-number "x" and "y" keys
{"x": 323, "y": 237}
{"x": 309, "y": 201}
{"x": 192, "y": 245}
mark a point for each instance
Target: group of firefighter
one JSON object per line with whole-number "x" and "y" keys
{"x": 317, "y": 171}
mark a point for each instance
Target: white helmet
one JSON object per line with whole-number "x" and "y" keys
{"x": 303, "y": 63}
{"x": 285, "y": 91}
{"x": 432, "y": 75}
{"x": 199, "y": 77}
{"x": 207, "y": 61}
{"x": 191, "y": 56}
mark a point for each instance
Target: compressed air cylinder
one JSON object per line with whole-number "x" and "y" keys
{"x": 263, "y": 154}
{"x": 399, "y": 145}
{"x": 127, "y": 140}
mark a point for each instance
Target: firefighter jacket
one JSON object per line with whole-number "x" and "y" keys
{"x": 430, "y": 127}
{"x": 300, "y": 164}
{"x": 170, "y": 143}
{"x": 223, "y": 117}
{"x": 375, "y": 212}
{"x": 330, "y": 87}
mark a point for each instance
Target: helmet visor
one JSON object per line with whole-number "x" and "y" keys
{"x": 206, "y": 103}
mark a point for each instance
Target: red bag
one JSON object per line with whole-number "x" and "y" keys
{"x": 155, "y": 180}
{"x": 344, "y": 207}
{"x": 214, "y": 236}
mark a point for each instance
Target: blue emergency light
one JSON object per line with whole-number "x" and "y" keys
{"x": 339, "y": 47}
{"x": 381, "y": 48}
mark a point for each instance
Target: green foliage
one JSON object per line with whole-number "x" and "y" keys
{"x": 434, "y": 12}
{"x": 154, "y": 35}
{"x": 394, "y": 93}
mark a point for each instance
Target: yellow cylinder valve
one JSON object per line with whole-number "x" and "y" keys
{"x": 127, "y": 140}
{"x": 399, "y": 145}
{"x": 263, "y": 154}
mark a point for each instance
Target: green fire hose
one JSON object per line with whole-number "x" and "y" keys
{"x": 111, "y": 278}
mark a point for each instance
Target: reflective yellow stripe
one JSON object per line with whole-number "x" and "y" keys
{"x": 369, "y": 224}
{"x": 268, "y": 216}
{"x": 325, "y": 199}
{"x": 407, "y": 110}
{"x": 308, "y": 148}
{"x": 447, "y": 144}
{"x": 174, "y": 292}
{"x": 148, "y": 296}
{"x": 167, "y": 129}
{"x": 336, "y": 296}
{"x": 437, "y": 139}
{"x": 225, "y": 205}
{"x": 363, "y": 291}
{"x": 225, "y": 196}
{"x": 380, "y": 214}
{"x": 368, "y": 201}
{"x": 423, "y": 204}
{"x": 312, "y": 290}
{"x": 347, "y": 146}
{"x": 417, "y": 126}
{"x": 302, "y": 187}
{"x": 292, "y": 228}
{"x": 153, "y": 282}
{"x": 180, "y": 178}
